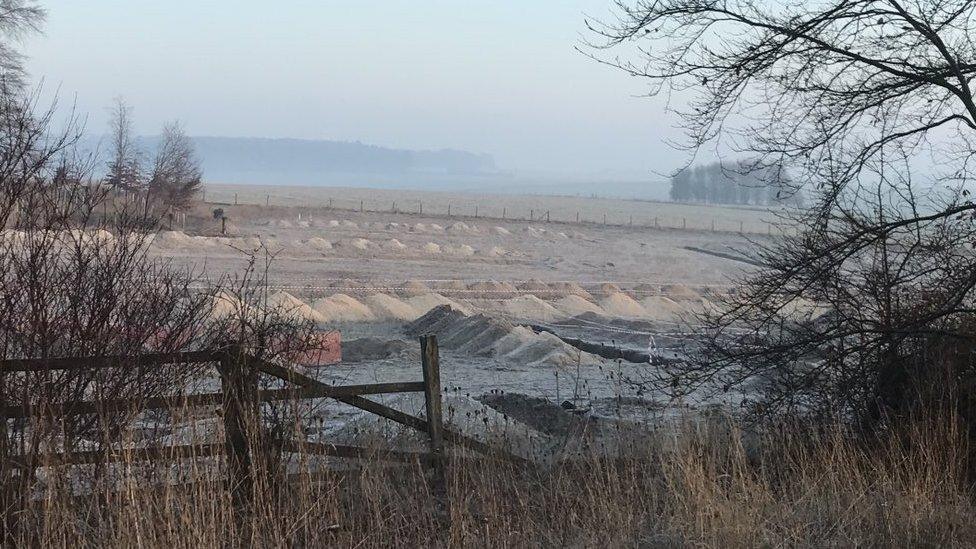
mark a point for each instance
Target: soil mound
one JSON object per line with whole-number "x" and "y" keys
{"x": 374, "y": 348}
{"x": 482, "y": 335}
{"x": 432, "y": 248}
{"x": 621, "y": 304}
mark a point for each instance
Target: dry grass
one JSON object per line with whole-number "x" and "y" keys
{"x": 705, "y": 489}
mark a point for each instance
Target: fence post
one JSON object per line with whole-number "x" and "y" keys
{"x": 360, "y": 206}
{"x": 235, "y": 199}
{"x": 547, "y": 216}
{"x": 430, "y": 359}
{"x": 239, "y": 384}
{"x": 421, "y": 207}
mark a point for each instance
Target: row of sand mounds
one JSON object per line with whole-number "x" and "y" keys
{"x": 483, "y": 335}
{"x": 340, "y": 307}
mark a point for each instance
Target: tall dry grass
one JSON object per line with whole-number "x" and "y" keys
{"x": 700, "y": 486}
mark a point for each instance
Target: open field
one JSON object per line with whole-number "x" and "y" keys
{"x": 565, "y": 209}
{"x": 517, "y": 287}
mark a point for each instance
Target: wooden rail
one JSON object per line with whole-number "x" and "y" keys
{"x": 245, "y": 443}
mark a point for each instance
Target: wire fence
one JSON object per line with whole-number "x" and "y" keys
{"x": 533, "y": 209}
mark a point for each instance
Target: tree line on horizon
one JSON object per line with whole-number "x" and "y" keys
{"x": 740, "y": 183}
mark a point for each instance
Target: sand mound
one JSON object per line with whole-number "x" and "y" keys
{"x": 569, "y": 288}
{"x": 318, "y": 244}
{"x": 454, "y": 285}
{"x": 392, "y": 226}
{"x": 289, "y": 305}
{"x": 349, "y": 224}
{"x": 534, "y": 286}
{"x": 435, "y": 228}
{"x": 609, "y": 288}
{"x": 573, "y": 305}
{"x": 493, "y": 288}
{"x": 496, "y": 251}
{"x": 334, "y": 223}
{"x": 464, "y": 250}
{"x": 342, "y": 308}
{"x": 224, "y": 305}
{"x": 419, "y": 228}
{"x": 424, "y": 303}
{"x": 463, "y": 228}
{"x": 621, "y": 304}
{"x": 679, "y": 292}
{"x": 530, "y": 307}
{"x": 394, "y": 245}
{"x": 412, "y": 288}
{"x": 357, "y": 244}
{"x": 387, "y": 307}
{"x": 285, "y": 224}
{"x": 482, "y": 335}
{"x": 658, "y": 307}
{"x": 172, "y": 240}
{"x": 432, "y": 248}
{"x": 534, "y": 232}
{"x": 501, "y": 231}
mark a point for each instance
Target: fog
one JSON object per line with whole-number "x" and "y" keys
{"x": 498, "y": 78}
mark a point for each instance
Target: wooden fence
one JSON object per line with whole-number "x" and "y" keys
{"x": 240, "y": 399}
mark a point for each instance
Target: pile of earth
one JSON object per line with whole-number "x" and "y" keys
{"x": 373, "y": 348}
{"x": 487, "y": 336}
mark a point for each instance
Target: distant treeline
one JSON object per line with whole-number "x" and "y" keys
{"x": 718, "y": 183}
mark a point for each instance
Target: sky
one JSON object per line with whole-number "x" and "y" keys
{"x": 500, "y": 77}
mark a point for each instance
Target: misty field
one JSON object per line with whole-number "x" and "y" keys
{"x": 510, "y": 206}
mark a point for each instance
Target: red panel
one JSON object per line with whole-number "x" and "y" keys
{"x": 325, "y": 350}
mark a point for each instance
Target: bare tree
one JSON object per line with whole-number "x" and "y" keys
{"x": 125, "y": 163}
{"x": 869, "y": 104}
{"x": 177, "y": 176}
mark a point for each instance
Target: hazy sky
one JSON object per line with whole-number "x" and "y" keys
{"x": 498, "y": 76}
